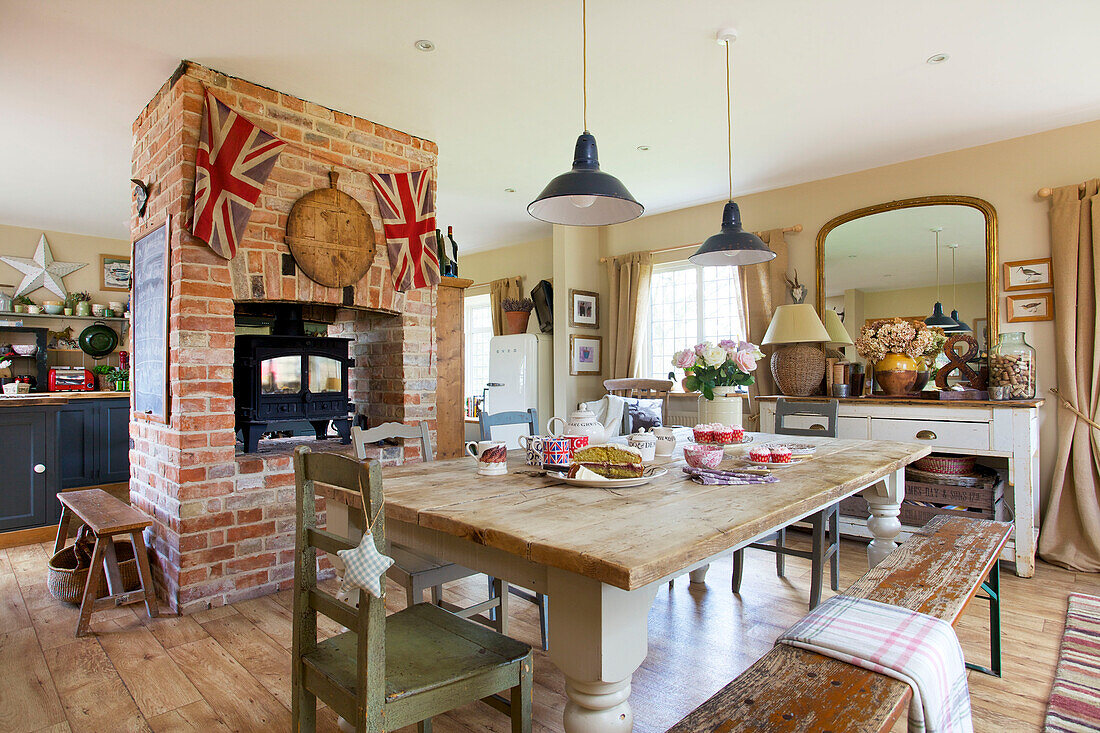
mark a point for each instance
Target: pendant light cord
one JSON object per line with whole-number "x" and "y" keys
{"x": 729, "y": 118}
{"x": 938, "y": 267}
{"x": 954, "y": 295}
{"x": 584, "y": 63}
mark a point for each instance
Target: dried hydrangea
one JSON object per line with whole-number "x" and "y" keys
{"x": 897, "y": 335}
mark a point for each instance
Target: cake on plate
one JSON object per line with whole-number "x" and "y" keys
{"x": 609, "y": 461}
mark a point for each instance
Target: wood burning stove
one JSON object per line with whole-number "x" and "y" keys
{"x": 291, "y": 377}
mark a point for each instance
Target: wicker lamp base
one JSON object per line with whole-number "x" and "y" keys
{"x": 798, "y": 369}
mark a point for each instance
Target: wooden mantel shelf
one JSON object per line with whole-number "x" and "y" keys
{"x": 455, "y": 282}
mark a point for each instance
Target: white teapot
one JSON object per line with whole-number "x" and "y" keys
{"x": 582, "y": 422}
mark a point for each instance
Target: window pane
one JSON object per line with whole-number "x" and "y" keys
{"x": 721, "y": 295}
{"x": 673, "y": 316}
{"x": 479, "y": 329}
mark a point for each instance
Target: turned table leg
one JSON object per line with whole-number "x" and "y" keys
{"x": 600, "y": 637}
{"x": 884, "y": 501}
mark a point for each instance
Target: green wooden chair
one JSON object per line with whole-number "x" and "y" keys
{"x": 387, "y": 672}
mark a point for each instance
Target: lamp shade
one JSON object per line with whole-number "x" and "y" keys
{"x": 733, "y": 245}
{"x": 962, "y": 326}
{"x": 941, "y": 320}
{"x": 585, "y": 196}
{"x": 837, "y": 333}
{"x": 792, "y": 324}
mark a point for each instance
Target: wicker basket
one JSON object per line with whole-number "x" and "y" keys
{"x": 949, "y": 465}
{"x": 66, "y": 582}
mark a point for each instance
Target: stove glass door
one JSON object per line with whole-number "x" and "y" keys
{"x": 281, "y": 375}
{"x": 325, "y": 374}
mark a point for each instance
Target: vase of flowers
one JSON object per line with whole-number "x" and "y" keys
{"x": 898, "y": 349}
{"x": 517, "y": 311}
{"x": 718, "y": 372}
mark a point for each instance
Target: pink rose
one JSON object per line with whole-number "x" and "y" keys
{"x": 745, "y": 361}
{"x": 728, "y": 345}
{"x": 684, "y": 359}
{"x": 700, "y": 348}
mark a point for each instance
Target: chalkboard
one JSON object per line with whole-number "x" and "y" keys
{"x": 149, "y": 325}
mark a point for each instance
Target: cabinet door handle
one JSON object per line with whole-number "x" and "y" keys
{"x": 925, "y": 435}
{"x": 39, "y": 468}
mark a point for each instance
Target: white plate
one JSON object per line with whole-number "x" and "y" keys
{"x": 769, "y": 464}
{"x": 611, "y": 483}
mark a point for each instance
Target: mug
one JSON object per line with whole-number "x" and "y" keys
{"x": 533, "y": 445}
{"x": 576, "y": 442}
{"x": 491, "y": 455}
{"x": 666, "y": 441}
{"x": 645, "y": 443}
{"x": 555, "y": 450}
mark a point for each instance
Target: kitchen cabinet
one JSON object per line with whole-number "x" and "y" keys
{"x": 55, "y": 443}
{"x": 24, "y": 463}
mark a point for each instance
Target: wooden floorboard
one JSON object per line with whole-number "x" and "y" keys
{"x": 228, "y": 669}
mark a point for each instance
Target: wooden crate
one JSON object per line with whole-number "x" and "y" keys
{"x": 924, "y": 500}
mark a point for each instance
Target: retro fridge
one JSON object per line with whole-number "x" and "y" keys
{"x": 520, "y": 377}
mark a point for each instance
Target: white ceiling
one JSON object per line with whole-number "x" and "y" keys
{"x": 820, "y": 89}
{"x": 896, "y": 249}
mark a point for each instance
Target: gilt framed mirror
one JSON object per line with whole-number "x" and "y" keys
{"x": 881, "y": 261}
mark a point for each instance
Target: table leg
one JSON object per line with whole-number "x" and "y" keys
{"x": 698, "y": 576}
{"x": 600, "y": 637}
{"x": 884, "y": 501}
{"x": 62, "y": 530}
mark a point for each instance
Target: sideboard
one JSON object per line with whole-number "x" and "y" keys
{"x": 1007, "y": 431}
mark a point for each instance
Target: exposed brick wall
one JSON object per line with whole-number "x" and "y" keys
{"x": 223, "y": 522}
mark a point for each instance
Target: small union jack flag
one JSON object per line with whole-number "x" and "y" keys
{"x": 408, "y": 220}
{"x": 234, "y": 160}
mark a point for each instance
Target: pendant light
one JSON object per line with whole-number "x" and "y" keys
{"x": 733, "y": 245}
{"x": 954, "y": 300}
{"x": 585, "y": 196}
{"x": 938, "y": 319}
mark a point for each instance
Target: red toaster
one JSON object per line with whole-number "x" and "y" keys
{"x": 71, "y": 379}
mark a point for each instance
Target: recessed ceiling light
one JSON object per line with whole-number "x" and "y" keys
{"x": 851, "y": 257}
{"x": 937, "y": 58}
{"x": 509, "y": 190}
{"x": 424, "y": 45}
{"x": 643, "y": 148}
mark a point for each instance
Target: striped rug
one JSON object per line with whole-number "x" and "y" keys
{"x": 1074, "y": 705}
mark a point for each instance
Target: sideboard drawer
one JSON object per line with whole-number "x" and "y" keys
{"x": 940, "y": 433}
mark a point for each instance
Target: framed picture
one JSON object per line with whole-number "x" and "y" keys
{"x": 585, "y": 354}
{"x": 114, "y": 273}
{"x": 584, "y": 308}
{"x": 981, "y": 332}
{"x": 1027, "y": 274}
{"x": 1030, "y": 307}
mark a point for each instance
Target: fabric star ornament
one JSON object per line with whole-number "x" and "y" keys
{"x": 42, "y": 271}
{"x": 365, "y": 566}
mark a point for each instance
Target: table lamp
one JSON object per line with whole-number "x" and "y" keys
{"x": 838, "y": 336}
{"x": 797, "y": 366}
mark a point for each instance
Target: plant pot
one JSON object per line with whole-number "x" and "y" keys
{"x": 19, "y": 309}
{"x": 67, "y": 311}
{"x": 516, "y": 322}
{"x": 725, "y": 408}
{"x": 896, "y": 374}
{"x": 84, "y": 308}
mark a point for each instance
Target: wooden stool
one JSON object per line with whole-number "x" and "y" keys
{"x": 106, "y": 517}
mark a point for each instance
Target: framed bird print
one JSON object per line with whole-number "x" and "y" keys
{"x": 1030, "y": 307}
{"x": 1027, "y": 274}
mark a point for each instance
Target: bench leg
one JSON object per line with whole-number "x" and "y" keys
{"x": 141, "y": 552}
{"x": 992, "y": 588}
{"x": 62, "y": 530}
{"x": 95, "y": 573}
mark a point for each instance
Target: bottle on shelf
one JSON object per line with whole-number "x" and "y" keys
{"x": 441, "y": 254}
{"x": 454, "y": 252}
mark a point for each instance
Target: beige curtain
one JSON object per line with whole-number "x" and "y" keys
{"x": 508, "y": 287}
{"x": 628, "y": 305}
{"x": 1071, "y": 527}
{"x": 762, "y": 290}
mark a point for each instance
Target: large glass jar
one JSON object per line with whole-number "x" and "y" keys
{"x": 1012, "y": 365}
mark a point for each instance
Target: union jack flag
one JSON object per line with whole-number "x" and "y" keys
{"x": 408, "y": 220}
{"x": 234, "y": 160}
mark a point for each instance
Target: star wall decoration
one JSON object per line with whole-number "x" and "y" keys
{"x": 42, "y": 271}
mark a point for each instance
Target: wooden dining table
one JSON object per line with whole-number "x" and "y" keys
{"x": 601, "y": 554}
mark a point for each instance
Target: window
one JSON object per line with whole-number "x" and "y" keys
{"x": 689, "y": 304}
{"x": 479, "y": 329}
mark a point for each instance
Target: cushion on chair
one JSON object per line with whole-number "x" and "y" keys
{"x": 642, "y": 412}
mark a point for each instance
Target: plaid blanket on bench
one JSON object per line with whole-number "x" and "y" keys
{"x": 915, "y": 648}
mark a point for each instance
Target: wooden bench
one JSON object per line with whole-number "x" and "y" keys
{"x": 937, "y": 571}
{"x": 107, "y": 517}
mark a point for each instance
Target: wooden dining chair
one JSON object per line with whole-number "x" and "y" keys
{"x": 822, "y": 418}
{"x": 417, "y": 571}
{"x": 487, "y": 422}
{"x": 652, "y": 389}
{"x": 386, "y": 672}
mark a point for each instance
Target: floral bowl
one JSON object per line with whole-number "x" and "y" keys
{"x": 703, "y": 456}
{"x": 25, "y": 349}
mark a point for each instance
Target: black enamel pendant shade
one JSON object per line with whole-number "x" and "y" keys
{"x": 585, "y": 196}
{"x": 962, "y": 326}
{"x": 733, "y": 245}
{"x": 941, "y": 320}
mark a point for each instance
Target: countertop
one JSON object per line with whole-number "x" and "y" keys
{"x": 1021, "y": 404}
{"x": 57, "y": 398}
